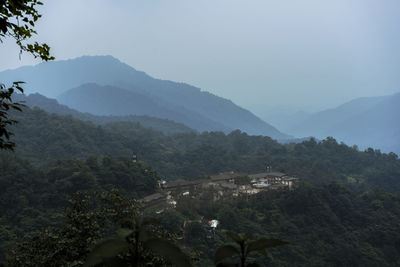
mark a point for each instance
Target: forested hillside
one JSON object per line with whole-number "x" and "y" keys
{"x": 43, "y": 138}
{"x": 52, "y": 106}
{"x": 345, "y": 211}
{"x": 32, "y": 198}
{"x": 326, "y": 225}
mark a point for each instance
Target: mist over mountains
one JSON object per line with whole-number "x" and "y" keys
{"x": 165, "y": 126}
{"x": 366, "y": 122}
{"x": 104, "y": 86}
{"x": 109, "y": 100}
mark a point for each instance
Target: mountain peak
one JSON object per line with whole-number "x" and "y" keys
{"x": 187, "y": 102}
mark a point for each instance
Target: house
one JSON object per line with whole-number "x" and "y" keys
{"x": 267, "y": 177}
{"x": 261, "y": 185}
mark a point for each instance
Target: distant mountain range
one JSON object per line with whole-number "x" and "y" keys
{"x": 367, "y": 122}
{"x": 103, "y": 85}
{"x": 109, "y": 90}
{"x": 110, "y": 100}
{"x": 165, "y": 126}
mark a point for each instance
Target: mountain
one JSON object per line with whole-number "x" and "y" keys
{"x": 165, "y": 126}
{"x": 282, "y": 118}
{"x": 205, "y": 110}
{"x": 366, "y": 122}
{"x": 110, "y": 100}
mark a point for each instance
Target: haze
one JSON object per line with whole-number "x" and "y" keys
{"x": 297, "y": 55}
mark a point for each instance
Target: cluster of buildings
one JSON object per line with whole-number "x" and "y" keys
{"x": 223, "y": 184}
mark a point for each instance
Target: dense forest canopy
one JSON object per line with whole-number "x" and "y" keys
{"x": 44, "y": 138}
{"x": 344, "y": 211}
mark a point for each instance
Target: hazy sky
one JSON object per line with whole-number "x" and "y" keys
{"x": 298, "y": 53}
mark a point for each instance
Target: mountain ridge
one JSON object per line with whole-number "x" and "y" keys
{"x": 54, "y": 78}
{"x": 110, "y": 100}
{"x": 366, "y": 122}
{"x": 50, "y": 105}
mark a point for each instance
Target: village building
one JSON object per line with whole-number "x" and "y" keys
{"x": 224, "y": 184}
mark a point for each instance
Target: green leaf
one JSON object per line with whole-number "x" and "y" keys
{"x": 224, "y": 264}
{"x": 264, "y": 243}
{"x": 253, "y": 265}
{"x": 150, "y": 221}
{"x": 224, "y": 252}
{"x": 234, "y": 236}
{"x": 263, "y": 252}
{"x": 145, "y": 235}
{"x": 105, "y": 251}
{"x": 245, "y": 237}
{"x": 169, "y": 251}
{"x": 124, "y": 232}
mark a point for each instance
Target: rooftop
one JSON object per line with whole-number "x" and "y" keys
{"x": 266, "y": 174}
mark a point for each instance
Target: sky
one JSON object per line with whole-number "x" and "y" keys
{"x": 264, "y": 55}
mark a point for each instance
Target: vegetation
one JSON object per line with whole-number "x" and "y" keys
{"x": 165, "y": 126}
{"x": 243, "y": 248}
{"x": 140, "y": 245}
{"x": 89, "y": 219}
{"x": 44, "y": 138}
{"x": 6, "y": 104}
{"x": 346, "y": 210}
{"x": 325, "y": 225}
{"x": 32, "y": 199}
{"x": 17, "y": 21}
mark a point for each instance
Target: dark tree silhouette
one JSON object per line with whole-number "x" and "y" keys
{"x": 17, "y": 21}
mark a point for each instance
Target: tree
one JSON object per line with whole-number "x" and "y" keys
{"x": 84, "y": 238}
{"x": 143, "y": 247}
{"x": 6, "y": 104}
{"x": 17, "y": 21}
{"x": 244, "y": 248}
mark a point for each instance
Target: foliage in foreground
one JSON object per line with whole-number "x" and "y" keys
{"x": 244, "y": 246}
{"x": 31, "y": 198}
{"x": 90, "y": 219}
{"x": 7, "y": 104}
{"x": 138, "y": 246}
{"x": 84, "y": 239}
{"x": 326, "y": 225}
{"x": 348, "y": 223}
{"x": 17, "y": 21}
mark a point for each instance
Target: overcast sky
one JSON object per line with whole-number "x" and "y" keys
{"x": 259, "y": 53}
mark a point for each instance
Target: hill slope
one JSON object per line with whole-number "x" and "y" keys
{"x": 109, "y": 100}
{"x": 54, "y": 78}
{"x": 167, "y": 127}
{"x": 366, "y": 122}
{"x": 43, "y": 138}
